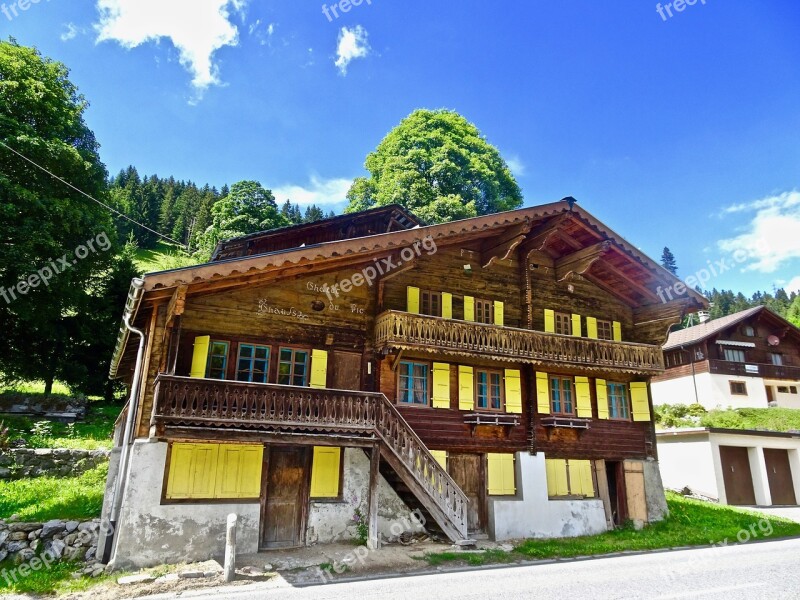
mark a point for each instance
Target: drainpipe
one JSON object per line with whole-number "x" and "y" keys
{"x": 694, "y": 378}
{"x": 134, "y": 298}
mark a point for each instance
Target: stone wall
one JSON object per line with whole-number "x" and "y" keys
{"x": 70, "y": 540}
{"x": 20, "y": 463}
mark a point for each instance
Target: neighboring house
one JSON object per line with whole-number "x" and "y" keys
{"x": 490, "y": 373}
{"x": 741, "y": 467}
{"x": 750, "y": 359}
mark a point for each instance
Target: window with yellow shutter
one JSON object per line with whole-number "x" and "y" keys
{"x": 214, "y": 472}
{"x": 569, "y": 478}
{"x": 501, "y": 479}
{"x": 326, "y": 472}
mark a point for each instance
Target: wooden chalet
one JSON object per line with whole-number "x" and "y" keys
{"x": 489, "y": 374}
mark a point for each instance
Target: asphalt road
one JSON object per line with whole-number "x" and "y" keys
{"x": 752, "y": 571}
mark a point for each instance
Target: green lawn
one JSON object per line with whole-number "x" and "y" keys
{"x": 682, "y": 416}
{"x": 691, "y": 523}
{"x": 44, "y": 498}
{"x": 163, "y": 257}
{"x": 57, "y": 578}
{"x": 90, "y": 434}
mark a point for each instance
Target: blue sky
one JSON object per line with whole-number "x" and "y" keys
{"x": 678, "y": 131}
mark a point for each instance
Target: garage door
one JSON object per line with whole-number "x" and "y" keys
{"x": 779, "y": 474}
{"x": 737, "y": 476}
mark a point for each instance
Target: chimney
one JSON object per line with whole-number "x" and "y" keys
{"x": 704, "y": 316}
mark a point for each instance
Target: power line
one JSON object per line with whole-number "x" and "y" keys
{"x": 113, "y": 210}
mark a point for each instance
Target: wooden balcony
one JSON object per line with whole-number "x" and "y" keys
{"x": 399, "y": 330}
{"x": 199, "y": 405}
{"x": 767, "y": 371}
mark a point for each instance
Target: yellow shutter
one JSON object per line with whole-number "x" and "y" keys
{"x": 640, "y": 405}
{"x": 325, "y": 472}
{"x": 576, "y": 326}
{"x": 447, "y": 305}
{"x": 229, "y": 464}
{"x": 602, "y": 398}
{"x": 319, "y": 369}
{"x": 591, "y": 327}
{"x": 250, "y": 472}
{"x": 549, "y": 320}
{"x": 499, "y": 313}
{"x": 179, "y": 482}
{"x": 200, "y": 356}
{"x": 556, "y": 477}
{"x": 466, "y": 388}
{"x": 204, "y": 470}
{"x": 584, "y": 397}
{"x": 580, "y": 478}
{"x": 513, "y": 391}
{"x": 441, "y": 457}
{"x": 542, "y": 394}
{"x": 617, "y": 331}
{"x": 441, "y": 385}
{"x": 469, "y": 308}
{"x": 412, "y": 297}
{"x": 501, "y": 479}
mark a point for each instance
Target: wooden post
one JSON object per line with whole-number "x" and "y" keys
{"x": 230, "y": 548}
{"x": 373, "y": 541}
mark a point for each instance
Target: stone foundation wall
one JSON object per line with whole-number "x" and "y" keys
{"x": 24, "y": 463}
{"x": 70, "y": 540}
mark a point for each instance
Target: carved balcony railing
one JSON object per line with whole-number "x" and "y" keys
{"x": 188, "y": 402}
{"x": 395, "y": 329}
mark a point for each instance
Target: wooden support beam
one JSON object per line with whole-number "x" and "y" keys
{"x": 579, "y": 262}
{"x": 638, "y": 287}
{"x": 176, "y": 305}
{"x": 501, "y": 249}
{"x": 616, "y": 292}
{"x": 539, "y": 237}
{"x": 373, "y": 537}
{"x": 176, "y": 433}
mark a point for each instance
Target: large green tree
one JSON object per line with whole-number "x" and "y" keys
{"x": 44, "y": 326}
{"x": 439, "y": 166}
{"x": 247, "y": 208}
{"x": 793, "y": 313}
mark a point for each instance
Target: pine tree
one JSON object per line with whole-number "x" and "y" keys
{"x": 668, "y": 261}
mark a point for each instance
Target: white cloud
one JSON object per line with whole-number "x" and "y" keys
{"x": 518, "y": 168}
{"x": 772, "y": 237}
{"x": 793, "y": 285}
{"x": 71, "y": 32}
{"x": 197, "y": 28}
{"x": 352, "y": 44}
{"x": 322, "y": 192}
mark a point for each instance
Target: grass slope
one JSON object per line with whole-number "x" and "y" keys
{"x": 163, "y": 257}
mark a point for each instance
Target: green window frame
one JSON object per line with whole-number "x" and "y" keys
{"x": 217, "y": 360}
{"x": 293, "y": 367}
{"x": 618, "y": 405}
{"x": 252, "y": 364}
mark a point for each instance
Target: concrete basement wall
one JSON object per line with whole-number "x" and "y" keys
{"x": 149, "y": 533}
{"x": 531, "y": 514}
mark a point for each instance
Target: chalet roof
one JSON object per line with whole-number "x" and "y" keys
{"x": 573, "y": 237}
{"x": 705, "y": 431}
{"x": 699, "y": 333}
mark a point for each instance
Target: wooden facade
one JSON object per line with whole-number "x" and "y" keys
{"x": 443, "y": 351}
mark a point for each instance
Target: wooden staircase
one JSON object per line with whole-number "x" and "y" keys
{"x": 406, "y": 463}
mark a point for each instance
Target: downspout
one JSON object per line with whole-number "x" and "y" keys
{"x": 131, "y": 307}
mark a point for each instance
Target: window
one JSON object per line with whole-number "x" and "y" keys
{"x": 501, "y": 477}
{"x": 293, "y": 367}
{"x": 792, "y": 389}
{"x": 213, "y": 471}
{"x": 413, "y": 388}
{"x": 431, "y": 303}
{"x": 618, "y": 407}
{"x": 563, "y": 323}
{"x": 561, "y": 395}
{"x": 218, "y": 360}
{"x": 732, "y": 355}
{"x": 605, "y": 330}
{"x": 749, "y": 331}
{"x": 777, "y": 359}
{"x": 488, "y": 390}
{"x": 326, "y": 471}
{"x": 569, "y": 478}
{"x": 484, "y": 312}
{"x": 738, "y": 388}
{"x": 253, "y": 363}
{"x": 783, "y": 389}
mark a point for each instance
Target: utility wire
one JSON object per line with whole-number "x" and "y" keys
{"x": 113, "y": 210}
